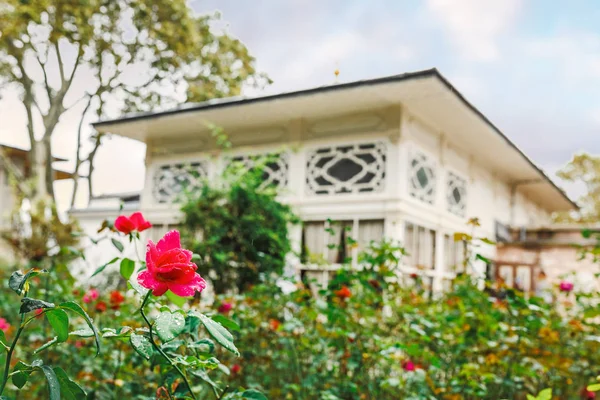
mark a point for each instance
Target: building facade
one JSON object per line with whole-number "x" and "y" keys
{"x": 403, "y": 157}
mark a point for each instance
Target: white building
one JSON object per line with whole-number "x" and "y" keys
{"x": 405, "y": 157}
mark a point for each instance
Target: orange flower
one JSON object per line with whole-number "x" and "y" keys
{"x": 343, "y": 293}
{"x": 274, "y": 324}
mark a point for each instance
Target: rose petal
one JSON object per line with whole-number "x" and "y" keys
{"x": 124, "y": 224}
{"x": 147, "y": 280}
{"x": 151, "y": 255}
{"x": 140, "y": 222}
{"x": 170, "y": 241}
{"x": 197, "y": 284}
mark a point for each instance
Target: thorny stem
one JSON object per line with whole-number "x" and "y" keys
{"x": 159, "y": 349}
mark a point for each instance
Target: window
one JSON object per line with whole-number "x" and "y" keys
{"x": 456, "y": 195}
{"x": 454, "y": 253}
{"x": 357, "y": 168}
{"x": 171, "y": 180}
{"x": 422, "y": 178}
{"x": 333, "y": 242}
{"x": 419, "y": 243}
{"x": 274, "y": 167}
{"x": 516, "y": 276}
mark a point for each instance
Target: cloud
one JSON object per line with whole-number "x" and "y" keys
{"x": 474, "y": 26}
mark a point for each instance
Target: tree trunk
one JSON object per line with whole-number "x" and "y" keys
{"x": 42, "y": 170}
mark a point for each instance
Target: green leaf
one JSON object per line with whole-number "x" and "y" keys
{"x": 219, "y": 333}
{"x": 28, "y": 304}
{"x": 117, "y": 244}
{"x": 59, "y": 320}
{"x": 49, "y": 343}
{"x": 253, "y": 394}
{"x": 21, "y": 373}
{"x": 3, "y": 340}
{"x": 591, "y": 313}
{"x": 127, "y": 267}
{"x": 482, "y": 258}
{"x": 168, "y": 325}
{"x": 545, "y": 394}
{"x": 85, "y": 332}
{"x": 177, "y": 300}
{"x": 530, "y": 397}
{"x": 53, "y": 384}
{"x": 103, "y": 267}
{"x": 594, "y": 387}
{"x": 142, "y": 345}
{"x": 226, "y": 322}
{"x": 69, "y": 390}
{"x": 76, "y": 308}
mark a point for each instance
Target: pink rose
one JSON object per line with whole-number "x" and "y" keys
{"x": 169, "y": 267}
{"x": 408, "y": 366}
{"x": 224, "y": 308}
{"x": 565, "y": 286}
{"x": 135, "y": 222}
{"x": 4, "y": 325}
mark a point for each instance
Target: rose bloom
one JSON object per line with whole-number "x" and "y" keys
{"x": 170, "y": 268}
{"x": 4, "y": 325}
{"x": 116, "y": 298}
{"x": 235, "y": 369}
{"x": 586, "y": 394}
{"x": 90, "y": 296}
{"x": 408, "y": 366}
{"x": 224, "y": 308}
{"x": 101, "y": 306}
{"x": 343, "y": 293}
{"x": 135, "y": 222}
{"x": 565, "y": 286}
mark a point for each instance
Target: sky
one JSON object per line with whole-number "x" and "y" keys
{"x": 531, "y": 66}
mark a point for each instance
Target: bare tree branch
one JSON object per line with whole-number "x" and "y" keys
{"x": 78, "y": 160}
{"x": 61, "y": 66}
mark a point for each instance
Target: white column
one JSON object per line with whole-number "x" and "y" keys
{"x": 440, "y": 266}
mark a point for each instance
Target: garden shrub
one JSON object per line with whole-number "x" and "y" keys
{"x": 238, "y": 228}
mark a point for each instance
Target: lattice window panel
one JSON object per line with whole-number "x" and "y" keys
{"x": 456, "y": 195}
{"x": 170, "y": 181}
{"x": 275, "y": 167}
{"x": 422, "y": 178}
{"x": 354, "y": 168}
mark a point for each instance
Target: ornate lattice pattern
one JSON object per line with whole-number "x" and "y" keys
{"x": 275, "y": 167}
{"x": 456, "y": 195}
{"x": 422, "y": 178}
{"x": 171, "y": 180}
{"x": 354, "y": 168}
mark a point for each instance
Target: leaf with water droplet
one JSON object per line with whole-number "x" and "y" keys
{"x": 28, "y": 304}
{"x": 20, "y": 374}
{"x": 53, "y": 384}
{"x": 141, "y": 344}
{"x": 219, "y": 333}
{"x": 253, "y": 395}
{"x": 168, "y": 325}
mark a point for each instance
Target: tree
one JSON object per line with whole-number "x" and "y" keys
{"x": 583, "y": 169}
{"x": 89, "y": 56}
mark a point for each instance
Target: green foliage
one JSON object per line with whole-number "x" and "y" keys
{"x": 583, "y": 169}
{"x": 238, "y": 229}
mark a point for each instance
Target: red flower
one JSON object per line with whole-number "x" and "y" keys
{"x": 78, "y": 344}
{"x": 408, "y": 366}
{"x": 224, "y": 308}
{"x": 100, "y": 306}
{"x": 135, "y": 222}
{"x": 170, "y": 268}
{"x": 4, "y": 325}
{"x": 586, "y": 394}
{"x": 343, "y": 293}
{"x": 39, "y": 312}
{"x": 235, "y": 369}
{"x": 116, "y": 298}
{"x": 414, "y": 275}
{"x": 274, "y": 324}
{"x": 565, "y": 286}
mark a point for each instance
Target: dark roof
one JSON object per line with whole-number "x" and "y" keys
{"x": 236, "y": 101}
